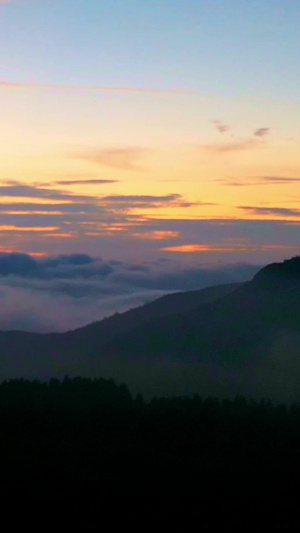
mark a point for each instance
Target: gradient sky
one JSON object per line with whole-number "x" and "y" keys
{"x": 137, "y": 129}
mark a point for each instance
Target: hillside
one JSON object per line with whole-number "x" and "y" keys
{"x": 36, "y": 355}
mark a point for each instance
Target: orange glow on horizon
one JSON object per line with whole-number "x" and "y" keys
{"x": 192, "y": 248}
{"x": 5, "y": 228}
{"x": 157, "y": 235}
{"x": 37, "y": 254}
{"x": 35, "y": 200}
{"x": 67, "y": 235}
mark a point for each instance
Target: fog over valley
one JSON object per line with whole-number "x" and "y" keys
{"x": 59, "y": 293}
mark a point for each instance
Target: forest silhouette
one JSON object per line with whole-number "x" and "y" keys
{"x": 89, "y": 447}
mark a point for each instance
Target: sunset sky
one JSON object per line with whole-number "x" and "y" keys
{"x": 142, "y": 130}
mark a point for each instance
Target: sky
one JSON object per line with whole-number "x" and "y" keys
{"x": 150, "y": 133}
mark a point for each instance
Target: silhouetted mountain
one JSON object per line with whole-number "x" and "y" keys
{"x": 280, "y": 275}
{"x": 248, "y": 341}
{"x": 222, "y": 340}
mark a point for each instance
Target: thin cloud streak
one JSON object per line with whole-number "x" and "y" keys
{"x": 122, "y": 158}
{"x": 260, "y": 180}
{"x": 84, "y": 182}
{"x": 279, "y": 179}
{"x": 100, "y": 88}
{"x": 239, "y": 146}
{"x": 20, "y": 190}
{"x": 143, "y": 198}
{"x": 148, "y": 201}
{"x": 31, "y": 208}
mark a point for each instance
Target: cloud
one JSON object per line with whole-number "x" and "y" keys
{"x": 239, "y": 146}
{"x": 141, "y": 201}
{"x": 17, "y": 189}
{"x": 277, "y": 211}
{"x": 231, "y": 183}
{"x": 85, "y": 182}
{"x": 221, "y": 128}
{"x": 142, "y": 198}
{"x": 278, "y": 179}
{"x": 123, "y": 158}
{"x": 96, "y": 88}
{"x": 42, "y": 208}
{"x": 129, "y": 202}
{"x": 62, "y": 266}
{"x": 261, "y": 132}
{"x": 56, "y": 213}
{"x": 20, "y": 264}
{"x": 57, "y": 201}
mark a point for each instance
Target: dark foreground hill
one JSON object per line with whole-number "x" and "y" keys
{"x": 222, "y": 341}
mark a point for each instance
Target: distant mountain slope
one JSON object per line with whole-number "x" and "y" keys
{"x": 24, "y": 354}
{"x": 103, "y": 331}
{"x": 237, "y": 321}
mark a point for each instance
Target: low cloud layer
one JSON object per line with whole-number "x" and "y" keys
{"x": 64, "y": 292}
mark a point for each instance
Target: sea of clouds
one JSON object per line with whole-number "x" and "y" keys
{"x": 64, "y": 292}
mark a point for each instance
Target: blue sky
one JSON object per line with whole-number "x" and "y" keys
{"x": 223, "y": 47}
